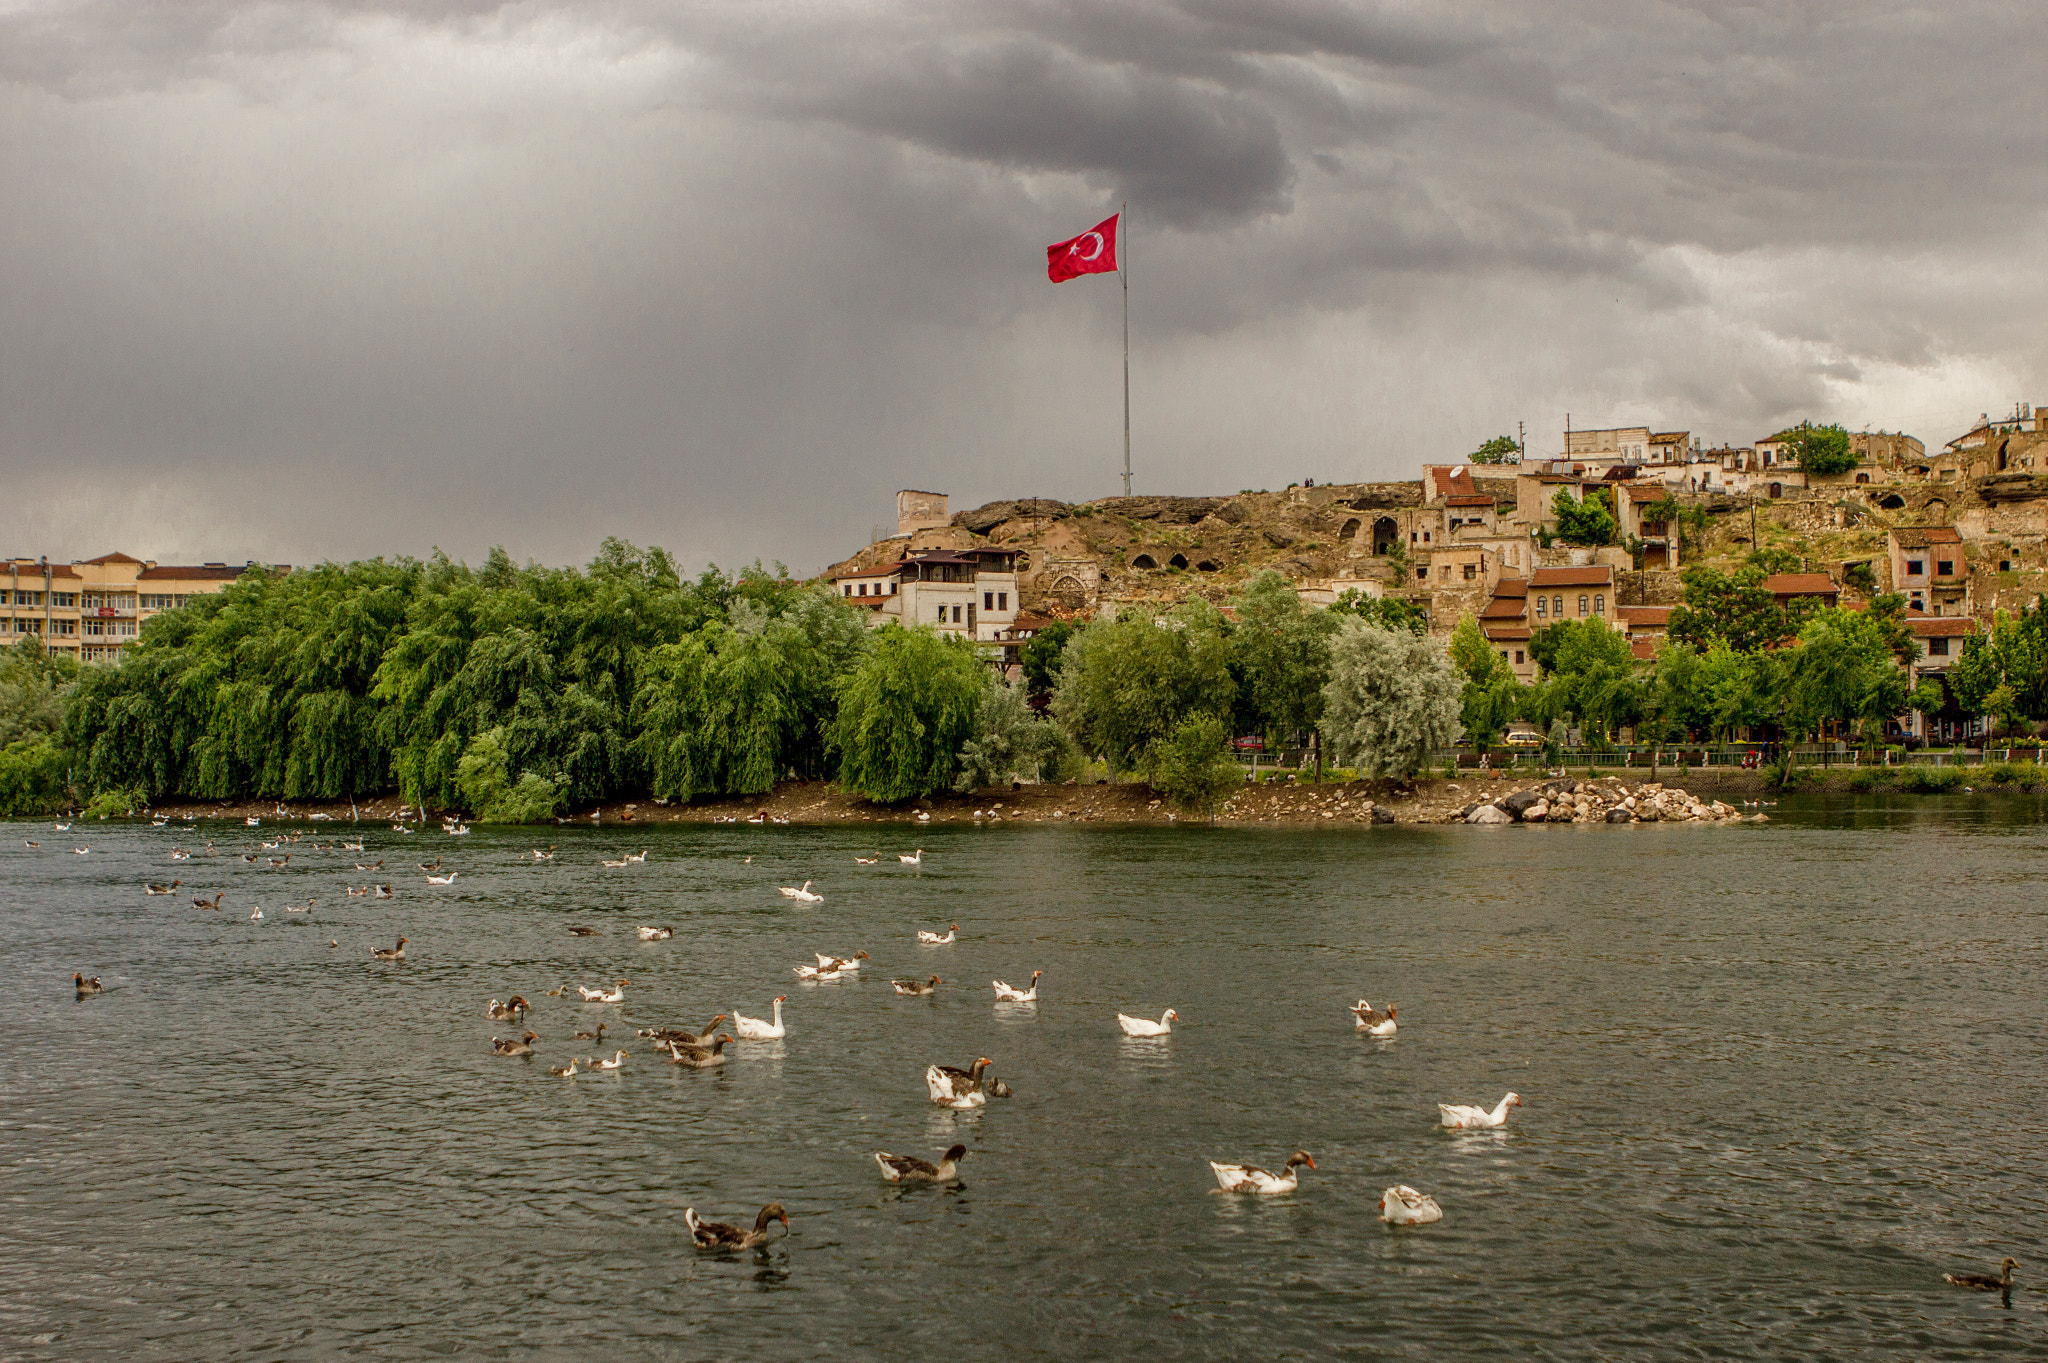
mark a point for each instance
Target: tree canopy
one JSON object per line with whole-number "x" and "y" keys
{"x": 1824, "y": 450}
{"x": 1502, "y": 449}
{"x": 1392, "y": 698}
{"x": 1589, "y": 522}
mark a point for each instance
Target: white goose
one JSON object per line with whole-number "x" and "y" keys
{"x": 840, "y": 962}
{"x": 932, "y": 939}
{"x": 802, "y": 895}
{"x": 1250, "y": 1178}
{"x": 637, "y": 858}
{"x": 656, "y": 934}
{"x": 613, "y": 995}
{"x": 1372, "y": 1021}
{"x": 912, "y": 859}
{"x": 1403, "y": 1206}
{"x": 255, "y": 915}
{"x": 753, "y": 1029}
{"x": 448, "y": 879}
{"x": 617, "y": 1060}
{"x": 817, "y": 974}
{"x": 1145, "y": 1027}
{"x": 1005, "y": 994}
{"x": 1464, "y": 1117}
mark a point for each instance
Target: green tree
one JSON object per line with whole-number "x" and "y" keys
{"x": 1734, "y": 609}
{"x": 484, "y": 776}
{"x": 1593, "y": 671}
{"x": 1588, "y": 522}
{"x": 1387, "y": 612}
{"x": 1489, "y": 695}
{"x": 1392, "y": 698}
{"x": 905, "y": 713}
{"x": 1130, "y": 681}
{"x": 1845, "y": 669}
{"x": 1823, "y": 450}
{"x": 1009, "y": 742}
{"x": 1041, "y": 658}
{"x": 1193, "y": 766}
{"x": 1280, "y": 655}
{"x": 1502, "y": 449}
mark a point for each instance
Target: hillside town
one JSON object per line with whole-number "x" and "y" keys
{"x": 1959, "y": 534}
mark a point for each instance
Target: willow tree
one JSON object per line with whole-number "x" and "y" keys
{"x": 905, "y": 713}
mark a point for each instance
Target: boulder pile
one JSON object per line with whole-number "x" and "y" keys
{"x": 1610, "y": 800}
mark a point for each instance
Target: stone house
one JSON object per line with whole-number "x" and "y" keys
{"x": 1929, "y": 568}
{"x": 971, "y": 593}
{"x": 1937, "y": 643}
{"x": 1789, "y": 587}
{"x": 1659, "y": 537}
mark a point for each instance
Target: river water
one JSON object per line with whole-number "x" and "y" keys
{"x": 1777, "y": 1080}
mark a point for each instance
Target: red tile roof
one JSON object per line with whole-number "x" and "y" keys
{"x": 208, "y": 572}
{"x": 1644, "y": 615}
{"x": 1801, "y": 584}
{"x": 29, "y": 568}
{"x": 1920, "y": 536}
{"x": 1451, "y": 482}
{"x": 1474, "y": 499}
{"x": 1505, "y": 633}
{"x": 1941, "y": 626}
{"x": 1595, "y": 575}
{"x": 1511, "y": 586}
{"x": 1505, "y": 608}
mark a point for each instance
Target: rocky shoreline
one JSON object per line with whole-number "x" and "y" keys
{"x": 1432, "y": 800}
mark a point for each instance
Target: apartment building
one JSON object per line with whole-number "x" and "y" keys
{"x": 94, "y": 608}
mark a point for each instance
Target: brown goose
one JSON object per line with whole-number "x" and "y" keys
{"x": 513, "y": 1010}
{"x": 154, "y": 888}
{"x": 212, "y": 903}
{"x": 955, "y": 1087}
{"x": 522, "y": 1045}
{"x": 597, "y": 1035}
{"x": 87, "y": 987}
{"x": 702, "y": 1038}
{"x": 1371, "y": 1019}
{"x": 717, "y": 1235}
{"x": 910, "y": 1169}
{"x": 1979, "y": 1282}
{"x": 396, "y": 953}
{"x": 698, "y": 1057}
{"x": 915, "y": 987}
{"x": 583, "y": 932}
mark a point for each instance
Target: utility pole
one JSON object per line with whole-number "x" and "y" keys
{"x": 1521, "y": 443}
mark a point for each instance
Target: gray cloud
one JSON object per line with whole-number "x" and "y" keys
{"x": 302, "y": 279}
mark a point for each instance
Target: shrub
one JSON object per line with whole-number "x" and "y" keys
{"x": 117, "y": 803}
{"x": 483, "y": 774}
{"x": 1930, "y": 780}
{"x": 1192, "y": 766}
{"x": 1870, "y": 778}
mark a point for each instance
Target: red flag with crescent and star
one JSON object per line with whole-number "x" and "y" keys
{"x": 1093, "y": 252}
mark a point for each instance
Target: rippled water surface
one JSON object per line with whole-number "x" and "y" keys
{"x": 1778, "y": 1079}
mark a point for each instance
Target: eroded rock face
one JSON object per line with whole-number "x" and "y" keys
{"x": 983, "y": 519}
{"x": 1165, "y": 510}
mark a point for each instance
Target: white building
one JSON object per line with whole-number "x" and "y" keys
{"x": 972, "y": 593}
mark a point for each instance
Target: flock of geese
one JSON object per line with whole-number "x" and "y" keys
{"x": 945, "y": 1085}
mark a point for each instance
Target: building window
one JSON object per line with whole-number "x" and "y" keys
{"x": 1938, "y": 647}
{"x": 892, "y": 589}
{"x": 1557, "y": 606}
{"x": 1518, "y": 657}
{"x": 1945, "y": 567}
{"x": 956, "y": 615}
{"x": 1002, "y": 601}
{"x": 942, "y": 612}
{"x": 1425, "y": 537}
{"x": 1422, "y": 574}
{"x": 1599, "y": 603}
{"x": 1468, "y": 572}
{"x": 1541, "y": 611}
{"x": 2005, "y": 565}
{"x": 1915, "y": 567}
{"x": 988, "y": 601}
{"x": 1582, "y": 605}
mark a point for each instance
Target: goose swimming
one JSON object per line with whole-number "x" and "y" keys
{"x": 448, "y": 879}
{"x": 1144, "y": 1027}
{"x": 912, "y": 859}
{"x": 162, "y": 889}
{"x": 656, "y": 934}
{"x": 513, "y": 1010}
{"x": 597, "y": 1035}
{"x": 523, "y": 1045}
{"x": 87, "y": 987}
{"x": 613, "y": 995}
{"x": 1464, "y": 1117}
{"x": 667, "y": 1034}
{"x": 1372, "y": 1021}
{"x": 395, "y": 953}
{"x": 917, "y": 988}
{"x": 802, "y": 894}
{"x": 567, "y": 1071}
{"x": 698, "y": 1057}
{"x": 933, "y": 939}
{"x": 911, "y": 1169}
{"x": 1249, "y": 1178}
{"x": 1976, "y": 1282}
{"x": 754, "y": 1029}
{"x": 715, "y": 1235}
{"x": 840, "y": 962}
{"x": 1403, "y": 1206}
{"x": 1005, "y": 994}
{"x": 618, "y": 1059}
{"x": 956, "y": 1088}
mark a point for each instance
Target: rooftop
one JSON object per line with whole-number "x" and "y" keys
{"x": 1800, "y": 584}
{"x": 1593, "y": 575}
{"x": 1941, "y": 626}
{"x": 1921, "y": 536}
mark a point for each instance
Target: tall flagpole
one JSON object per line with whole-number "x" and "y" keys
{"x": 1123, "y": 265}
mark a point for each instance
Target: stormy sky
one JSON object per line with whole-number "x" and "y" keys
{"x": 297, "y": 280}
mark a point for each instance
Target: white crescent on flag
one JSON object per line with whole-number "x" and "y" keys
{"x": 1095, "y": 254}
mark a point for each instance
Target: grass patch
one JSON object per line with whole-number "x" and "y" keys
{"x": 1930, "y": 780}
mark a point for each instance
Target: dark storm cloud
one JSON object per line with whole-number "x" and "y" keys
{"x": 295, "y": 279}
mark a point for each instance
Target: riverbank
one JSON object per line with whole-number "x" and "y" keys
{"x": 1430, "y": 800}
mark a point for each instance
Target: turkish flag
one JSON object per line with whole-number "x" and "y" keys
{"x": 1093, "y": 252}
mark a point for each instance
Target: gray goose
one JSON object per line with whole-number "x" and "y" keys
{"x": 698, "y": 1057}
{"x": 911, "y": 1169}
{"x": 702, "y": 1038}
{"x": 522, "y": 1045}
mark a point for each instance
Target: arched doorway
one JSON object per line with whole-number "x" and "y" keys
{"x": 1177, "y": 561}
{"x": 1067, "y": 591}
{"x": 1143, "y": 561}
{"x": 1385, "y": 534}
{"x": 1936, "y": 511}
{"x": 1893, "y": 503}
{"x": 1350, "y": 530}
{"x": 1205, "y": 566}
